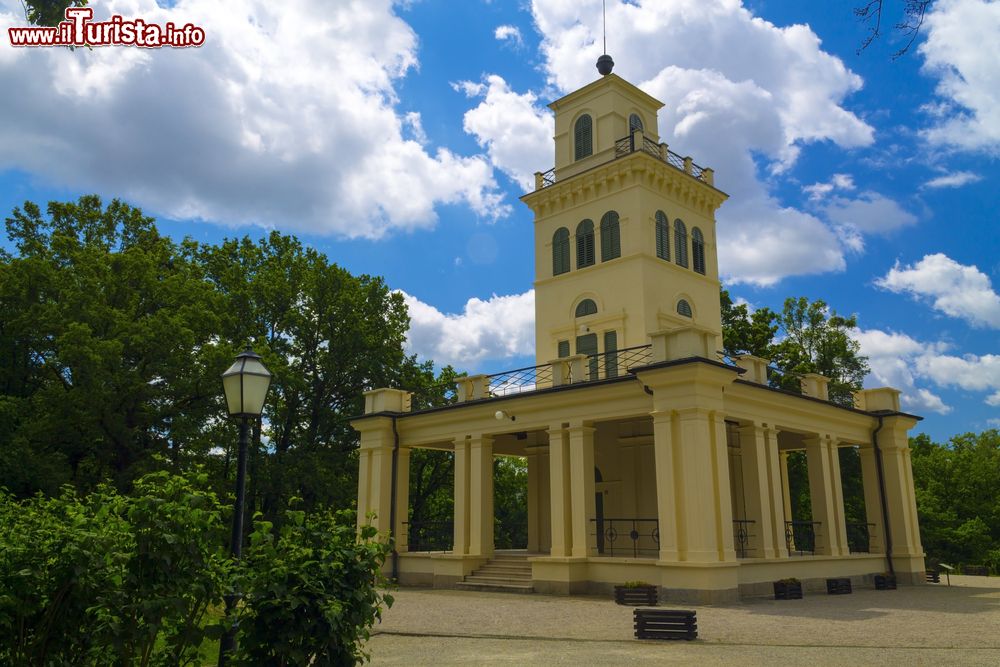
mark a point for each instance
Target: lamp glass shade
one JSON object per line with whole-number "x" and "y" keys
{"x": 246, "y": 383}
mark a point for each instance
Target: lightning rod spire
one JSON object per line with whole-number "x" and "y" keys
{"x": 605, "y": 64}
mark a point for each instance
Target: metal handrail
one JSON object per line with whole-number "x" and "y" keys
{"x": 640, "y": 532}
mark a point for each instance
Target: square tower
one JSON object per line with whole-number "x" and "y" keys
{"x": 625, "y": 240}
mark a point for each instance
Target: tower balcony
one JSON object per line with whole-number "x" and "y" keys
{"x": 636, "y": 142}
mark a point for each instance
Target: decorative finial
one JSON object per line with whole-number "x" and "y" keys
{"x": 605, "y": 64}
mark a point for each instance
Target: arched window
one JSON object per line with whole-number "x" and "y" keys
{"x": 586, "y": 307}
{"x": 583, "y": 137}
{"x": 698, "y": 250}
{"x": 560, "y": 251}
{"x": 585, "y": 244}
{"x": 634, "y": 123}
{"x": 662, "y": 236}
{"x": 681, "y": 243}
{"x": 611, "y": 245}
{"x": 684, "y": 308}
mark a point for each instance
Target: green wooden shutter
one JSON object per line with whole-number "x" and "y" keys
{"x": 583, "y": 136}
{"x": 662, "y": 236}
{"x": 611, "y": 246}
{"x": 698, "y": 250}
{"x": 563, "y": 348}
{"x": 560, "y": 251}
{"x": 681, "y": 243}
{"x": 611, "y": 354}
{"x": 588, "y": 345}
{"x": 584, "y": 244}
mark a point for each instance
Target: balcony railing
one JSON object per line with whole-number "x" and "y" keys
{"x": 627, "y": 537}
{"x": 800, "y": 536}
{"x": 742, "y": 535}
{"x": 602, "y": 366}
{"x": 859, "y": 537}
{"x": 639, "y": 142}
{"x": 430, "y": 535}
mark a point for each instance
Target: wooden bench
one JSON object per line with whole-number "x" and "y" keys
{"x": 976, "y": 570}
{"x": 637, "y": 595}
{"x": 933, "y": 577}
{"x": 665, "y": 624}
{"x": 838, "y": 586}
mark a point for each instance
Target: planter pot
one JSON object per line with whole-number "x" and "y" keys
{"x": 636, "y": 595}
{"x": 784, "y": 590}
{"x": 886, "y": 582}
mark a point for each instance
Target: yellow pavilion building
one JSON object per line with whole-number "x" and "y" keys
{"x": 650, "y": 456}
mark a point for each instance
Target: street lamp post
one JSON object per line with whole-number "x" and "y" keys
{"x": 245, "y": 384}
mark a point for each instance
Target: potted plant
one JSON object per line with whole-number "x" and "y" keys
{"x": 885, "y": 582}
{"x": 788, "y": 589}
{"x": 636, "y": 593}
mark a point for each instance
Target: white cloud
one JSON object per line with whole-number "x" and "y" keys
{"x": 515, "y": 131}
{"x": 954, "y": 289}
{"x": 510, "y": 34}
{"x": 869, "y": 213}
{"x": 899, "y": 361}
{"x": 497, "y": 328}
{"x": 954, "y": 180}
{"x": 737, "y": 89}
{"x": 287, "y": 117}
{"x": 818, "y": 191}
{"x": 956, "y": 51}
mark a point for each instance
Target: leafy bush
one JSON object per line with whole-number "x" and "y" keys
{"x": 312, "y": 591}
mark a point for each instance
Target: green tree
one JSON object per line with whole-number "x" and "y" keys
{"x": 108, "y": 353}
{"x": 49, "y": 12}
{"x": 745, "y": 332}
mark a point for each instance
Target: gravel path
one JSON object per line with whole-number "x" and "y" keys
{"x": 922, "y": 625}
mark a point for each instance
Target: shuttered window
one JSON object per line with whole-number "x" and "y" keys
{"x": 588, "y": 345}
{"x": 583, "y": 137}
{"x": 634, "y": 123}
{"x": 684, "y": 308}
{"x": 611, "y": 354}
{"x": 585, "y": 244}
{"x": 662, "y": 236}
{"x": 611, "y": 245}
{"x": 586, "y": 307}
{"x": 698, "y": 250}
{"x": 563, "y": 348}
{"x": 681, "y": 243}
{"x": 560, "y": 251}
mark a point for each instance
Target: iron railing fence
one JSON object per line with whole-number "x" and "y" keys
{"x": 429, "y": 535}
{"x": 742, "y": 535}
{"x": 800, "y": 536}
{"x": 510, "y": 534}
{"x": 859, "y": 537}
{"x": 627, "y": 146}
{"x": 635, "y": 537}
{"x": 520, "y": 380}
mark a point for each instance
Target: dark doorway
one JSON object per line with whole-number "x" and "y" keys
{"x": 599, "y": 511}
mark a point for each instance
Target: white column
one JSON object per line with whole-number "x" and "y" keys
{"x": 826, "y": 495}
{"x": 461, "y": 545}
{"x": 481, "y": 495}
{"x": 666, "y": 501}
{"x": 873, "y": 501}
{"x": 776, "y": 474}
{"x": 402, "y": 498}
{"x": 582, "y": 490}
{"x": 534, "y": 537}
{"x": 759, "y": 490}
{"x": 562, "y": 537}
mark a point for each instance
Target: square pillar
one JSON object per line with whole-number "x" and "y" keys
{"x": 704, "y": 505}
{"x": 534, "y": 535}
{"x": 873, "y": 501}
{"x": 402, "y": 498}
{"x": 826, "y": 495}
{"x": 666, "y": 484}
{"x": 900, "y": 499}
{"x": 780, "y": 500}
{"x": 582, "y": 490}
{"x": 764, "y": 507}
{"x": 559, "y": 496}
{"x": 375, "y": 472}
{"x": 462, "y": 483}
{"x": 481, "y": 495}
{"x": 786, "y": 495}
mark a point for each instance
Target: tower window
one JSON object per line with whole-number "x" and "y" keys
{"x": 684, "y": 308}
{"x": 560, "y": 251}
{"x": 634, "y": 123}
{"x": 698, "y": 250}
{"x": 662, "y": 236}
{"x": 585, "y": 244}
{"x": 563, "y": 349}
{"x": 681, "y": 243}
{"x": 611, "y": 246}
{"x": 583, "y": 137}
{"x": 611, "y": 354}
{"x": 586, "y": 307}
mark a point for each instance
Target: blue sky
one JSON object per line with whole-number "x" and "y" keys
{"x": 397, "y": 138}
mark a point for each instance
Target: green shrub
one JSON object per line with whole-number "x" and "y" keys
{"x": 312, "y": 591}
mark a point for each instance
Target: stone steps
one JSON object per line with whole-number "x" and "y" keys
{"x": 504, "y": 573}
